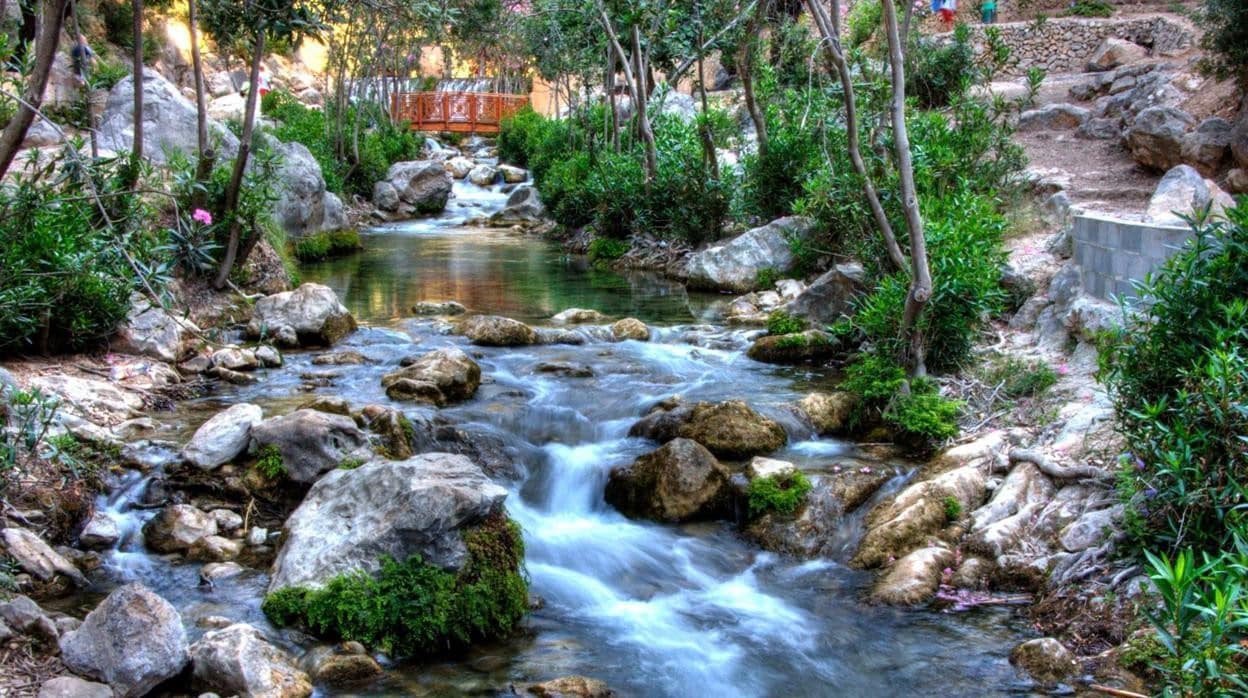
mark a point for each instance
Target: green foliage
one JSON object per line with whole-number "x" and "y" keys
{"x": 326, "y": 244}
{"x": 1203, "y": 621}
{"x": 780, "y": 494}
{"x": 118, "y": 17}
{"x": 939, "y": 74}
{"x": 105, "y": 74}
{"x": 863, "y": 19}
{"x": 413, "y": 607}
{"x": 269, "y": 463}
{"x": 1090, "y": 8}
{"x": 780, "y": 322}
{"x": 923, "y": 417}
{"x": 774, "y": 179}
{"x": 766, "y": 278}
{"x": 351, "y": 463}
{"x": 1019, "y": 378}
{"x": 607, "y": 249}
{"x": 953, "y": 508}
{"x": 874, "y": 378}
{"x": 1178, "y": 375}
{"x": 25, "y": 417}
{"x": 1225, "y": 24}
{"x": 65, "y": 282}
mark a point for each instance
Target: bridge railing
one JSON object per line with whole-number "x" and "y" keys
{"x": 455, "y": 112}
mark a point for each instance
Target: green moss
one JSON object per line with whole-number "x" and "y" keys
{"x": 953, "y": 508}
{"x": 351, "y": 463}
{"x": 780, "y": 322}
{"x": 780, "y": 494}
{"x": 324, "y": 245}
{"x": 413, "y": 607}
{"x": 766, "y": 279}
{"x": 924, "y": 418}
{"x": 270, "y": 463}
{"x": 409, "y": 430}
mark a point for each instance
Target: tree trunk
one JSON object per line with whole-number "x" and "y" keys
{"x": 920, "y": 274}
{"x": 836, "y": 56}
{"x": 137, "y": 6}
{"x": 207, "y": 157}
{"x": 240, "y": 165}
{"x": 86, "y": 86}
{"x": 632, "y": 76}
{"x": 643, "y": 116}
{"x": 745, "y": 71}
{"x": 45, "y": 52}
{"x": 708, "y": 139}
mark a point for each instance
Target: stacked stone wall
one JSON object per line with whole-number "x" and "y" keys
{"x": 1064, "y": 44}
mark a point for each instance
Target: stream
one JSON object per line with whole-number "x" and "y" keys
{"x": 653, "y": 610}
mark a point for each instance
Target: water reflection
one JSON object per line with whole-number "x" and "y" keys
{"x": 493, "y": 271}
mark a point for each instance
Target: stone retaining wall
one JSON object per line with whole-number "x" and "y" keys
{"x": 1113, "y": 253}
{"x": 1064, "y": 45}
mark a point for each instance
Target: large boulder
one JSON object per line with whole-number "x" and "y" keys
{"x": 1155, "y": 138}
{"x": 1115, "y": 52}
{"x": 817, "y": 528}
{"x": 303, "y": 205}
{"x": 133, "y": 641}
{"x": 423, "y": 184}
{"x": 310, "y": 315}
{"x": 733, "y": 430}
{"x": 223, "y": 437}
{"x": 1045, "y": 659}
{"x": 177, "y": 527}
{"x": 73, "y": 687}
{"x": 97, "y": 401}
{"x": 149, "y": 330}
{"x": 1208, "y": 146}
{"x": 497, "y": 331}
{"x": 169, "y": 121}
{"x": 914, "y": 578}
{"x": 630, "y": 328}
{"x": 735, "y": 265}
{"x": 459, "y": 166}
{"x": 513, "y": 175}
{"x": 385, "y": 196}
{"x": 1181, "y": 192}
{"x": 1052, "y": 117}
{"x": 830, "y": 296}
{"x": 311, "y": 442}
{"x": 238, "y": 660}
{"x": 829, "y": 413}
{"x": 351, "y": 519}
{"x": 795, "y": 348}
{"x": 524, "y": 205}
{"x": 442, "y": 376}
{"x": 678, "y": 482}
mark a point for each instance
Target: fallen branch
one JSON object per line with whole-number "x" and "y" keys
{"x": 1059, "y": 472}
{"x": 1115, "y": 691}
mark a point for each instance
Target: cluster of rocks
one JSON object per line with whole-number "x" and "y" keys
{"x": 497, "y": 331}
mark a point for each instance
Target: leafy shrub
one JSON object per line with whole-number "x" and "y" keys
{"x": 1225, "y": 38}
{"x": 766, "y": 278}
{"x": 269, "y": 463}
{"x": 326, "y": 244}
{"x": 780, "y": 322}
{"x": 780, "y": 494}
{"x": 1090, "y": 8}
{"x": 607, "y": 249}
{"x": 414, "y": 607}
{"x": 864, "y": 17}
{"x": 1201, "y": 628}
{"x": 105, "y": 74}
{"x": 923, "y": 418}
{"x": 1178, "y": 375}
{"x": 940, "y": 73}
{"x": 774, "y": 179}
{"x": 65, "y": 283}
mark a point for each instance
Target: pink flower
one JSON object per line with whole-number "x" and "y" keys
{"x": 1063, "y": 369}
{"x": 202, "y": 216}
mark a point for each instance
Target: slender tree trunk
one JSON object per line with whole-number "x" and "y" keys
{"x": 207, "y": 157}
{"x": 137, "y": 7}
{"x": 632, "y": 76}
{"x": 708, "y": 139}
{"x": 836, "y": 56}
{"x": 745, "y": 71}
{"x": 240, "y": 165}
{"x": 612, "y": 64}
{"x": 643, "y": 116}
{"x": 86, "y": 85}
{"x": 920, "y": 275}
{"x": 45, "y": 52}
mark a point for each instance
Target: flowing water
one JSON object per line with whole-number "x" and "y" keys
{"x": 654, "y": 610}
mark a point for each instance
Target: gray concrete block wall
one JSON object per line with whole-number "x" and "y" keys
{"x": 1112, "y": 254}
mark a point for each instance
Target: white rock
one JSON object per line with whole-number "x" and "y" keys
{"x": 223, "y": 437}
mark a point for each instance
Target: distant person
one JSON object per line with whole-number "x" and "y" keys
{"x": 988, "y": 11}
{"x": 948, "y": 8}
{"x": 81, "y": 56}
{"x": 262, "y": 84}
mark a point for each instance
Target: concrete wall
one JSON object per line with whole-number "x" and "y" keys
{"x": 1112, "y": 253}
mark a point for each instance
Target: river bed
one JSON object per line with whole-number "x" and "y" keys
{"x": 653, "y": 610}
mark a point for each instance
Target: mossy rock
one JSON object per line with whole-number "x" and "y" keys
{"x": 496, "y": 331}
{"x": 733, "y": 430}
{"x": 801, "y": 347}
{"x": 681, "y": 481}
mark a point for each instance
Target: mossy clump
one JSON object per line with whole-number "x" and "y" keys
{"x": 351, "y": 463}
{"x": 607, "y": 249}
{"x": 810, "y": 345}
{"x": 324, "y": 245}
{"x": 413, "y": 607}
{"x": 270, "y": 463}
{"x": 780, "y": 322}
{"x": 953, "y": 508}
{"x": 782, "y": 494}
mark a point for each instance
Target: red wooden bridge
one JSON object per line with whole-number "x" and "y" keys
{"x": 455, "y": 112}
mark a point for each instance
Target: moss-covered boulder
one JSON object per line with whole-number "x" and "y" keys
{"x": 1045, "y": 659}
{"x": 496, "y": 331}
{"x": 829, "y": 413}
{"x": 796, "y": 348}
{"x": 815, "y": 529}
{"x": 681, "y": 481}
{"x": 733, "y": 430}
{"x": 409, "y": 557}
